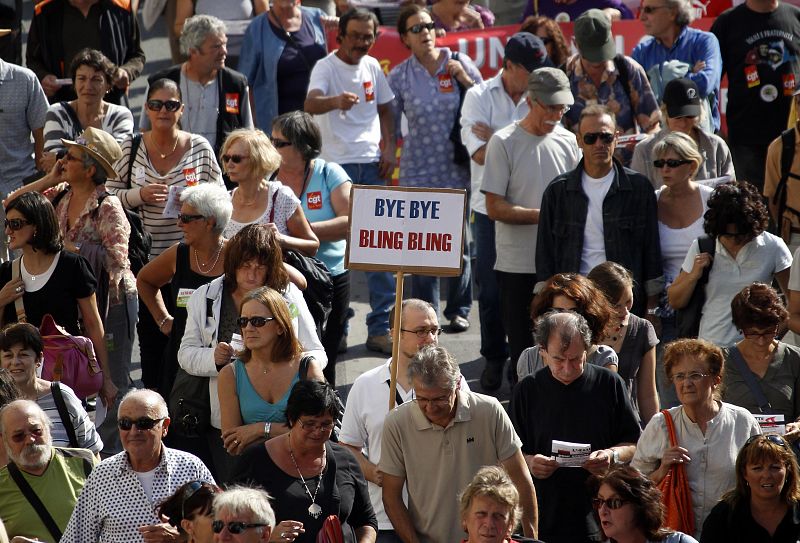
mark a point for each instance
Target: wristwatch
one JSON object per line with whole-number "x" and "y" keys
{"x": 614, "y": 457}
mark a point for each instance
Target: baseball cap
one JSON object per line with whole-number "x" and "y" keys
{"x": 528, "y": 50}
{"x": 551, "y": 87}
{"x": 682, "y": 98}
{"x": 101, "y": 146}
{"x": 593, "y": 36}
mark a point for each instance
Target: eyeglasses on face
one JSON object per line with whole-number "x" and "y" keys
{"x": 611, "y": 503}
{"x": 422, "y": 333}
{"x": 671, "y": 162}
{"x": 774, "y": 438}
{"x": 234, "y": 528}
{"x": 16, "y": 224}
{"x": 423, "y": 402}
{"x": 19, "y": 437}
{"x": 649, "y": 10}
{"x": 419, "y": 27}
{"x": 692, "y": 376}
{"x": 185, "y": 218}
{"x": 592, "y": 137}
{"x": 142, "y": 423}
{"x": 279, "y": 143}
{"x": 171, "y": 105}
{"x": 315, "y": 426}
{"x": 554, "y": 109}
{"x": 236, "y": 159}
{"x": 754, "y": 334}
{"x": 257, "y": 322}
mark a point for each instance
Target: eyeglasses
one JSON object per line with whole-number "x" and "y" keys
{"x": 649, "y": 10}
{"x": 774, "y": 438}
{"x": 692, "y": 376}
{"x": 592, "y": 137}
{"x": 234, "y": 528}
{"x": 279, "y": 143}
{"x": 315, "y": 426}
{"x": 171, "y": 105}
{"x": 142, "y": 423}
{"x": 611, "y": 503}
{"x": 369, "y": 38}
{"x": 422, "y": 402}
{"x": 16, "y": 224}
{"x": 418, "y": 28}
{"x": 554, "y": 109}
{"x": 236, "y": 159}
{"x": 22, "y": 436}
{"x": 186, "y": 218}
{"x": 751, "y": 334}
{"x": 671, "y": 162}
{"x": 422, "y": 333}
{"x": 257, "y": 322}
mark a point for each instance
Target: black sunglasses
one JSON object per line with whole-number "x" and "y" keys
{"x": 258, "y": 322}
{"x": 171, "y": 105}
{"x": 234, "y": 528}
{"x": 671, "y": 162}
{"x": 611, "y": 503}
{"x": 186, "y": 218}
{"x": 278, "y": 143}
{"x": 417, "y": 28}
{"x": 774, "y": 438}
{"x": 236, "y": 159}
{"x": 142, "y": 423}
{"x": 591, "y": 137}
{"x": 16, "y": 224}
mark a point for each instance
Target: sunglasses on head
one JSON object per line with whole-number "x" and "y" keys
{"x": 192, "y": 489}
{"x": 16, "y": 224}
{"x": 774, "y": 438}
{"x": 611, "y": 503}
{"x": 592, "y": 137}
{"x": 671, "y": 162}
{"x": 171, "y": 105}
{"x": 236, "y": 159}
{"x": 142, "y": 423}
{"x": 419, "y": 27}
{"x": 234, "y": 528}
{"x": 185, "y": 218}
{"x": 258, "y": 322}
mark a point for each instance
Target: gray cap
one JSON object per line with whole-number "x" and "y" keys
{"x": 551, "y": 87}
{"x": 593, "y": 36}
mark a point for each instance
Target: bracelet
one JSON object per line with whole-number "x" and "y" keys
{"x": 161, "y": 324}
{"x": 267, "y": 429}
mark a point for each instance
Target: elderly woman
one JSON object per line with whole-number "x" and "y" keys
{"x": 92, "y": 75}
{"x": 279, "y": 50}
{"x": 252, "y": 260}
{"x": 629, "y": 508}
{"x": 459, "y": 15}
{"x": 249, "y": 157}
{"x": 241, "y": 509}
{"x": 765, "y": 503}
{"x": 289, "y": 466}
{"x": 683, "y": 115}
{"x": 745, "y": 253}
{"x": 189, "y": 511}
{"x": 425, "y": 90}
{"x": 709, "y": 432}
{"x": 550, "y": 33}
{"x": 490, "y": 506}
{"x": 324, "y": 192}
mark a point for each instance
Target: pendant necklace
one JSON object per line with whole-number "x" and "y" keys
{"x": 214, "y": 263}
{"x": 315, "y": 510}
{"x": 158, "y": 149}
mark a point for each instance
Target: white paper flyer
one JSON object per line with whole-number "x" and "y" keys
{"x": 569, "y": 454}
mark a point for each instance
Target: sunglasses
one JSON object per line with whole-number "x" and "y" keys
{"x": 22, "y": 436}
{"x": 417, "y": 28}
{"x": 279, "y": 144}
{"x": 592, "y": 137}
{"x": 234, "y": 528}
{"x": 774, "y": 438}
{"x": 236, "y": 159}
{"x": 611, "y": 503}
{"x": 185, "y": 218}
{"x": 671, "y": 162}
{"x": 258, "y": 322}
{"x": 752, "y": 334}
{"x": 171, "y": 105}
{"x": 142, "y": 423}
{"x": 16, "y": 224}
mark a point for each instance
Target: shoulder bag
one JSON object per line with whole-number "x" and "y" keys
{"x": 675, "y": 493}
{"x": 460, "y": 153}
{"x": 63, "y": 414}
{"x": 687, "y": 319}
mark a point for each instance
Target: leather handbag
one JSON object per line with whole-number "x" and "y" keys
{"x": 675, "y": 492}
{"x": 331, "y": 531}
{"x": 687, "y": 319}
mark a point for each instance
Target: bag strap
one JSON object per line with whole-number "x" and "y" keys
{"x": 624, "y": 80}
{"x": 272, "y": 207}
{"x": 673, "y": 439}
{"x": 135, "y": 143}
{"x": 60, "y": 196}
{"x": 63, "y": 413}
{"x": 34, "y": 500}
{"x": 787, "y": 157}
{"x": 19, "y": 305}
{"x": 73, "y": 117}
{"x": 750, "y": 379}
{"x": 398, "y": 400}
{"x": 706, "y": 244}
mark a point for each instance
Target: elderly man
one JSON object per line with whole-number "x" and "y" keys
{"x": 569, "y": 400}
{"x": 217, "y": 98}
{"x": 674, "y": 49}
{"x": 243, "y": 512}
{"x": 436, "y": 443}
{"x": 40, "y": 485}
{"x": 368, "y": 401}
{"x": 119, "y": 499}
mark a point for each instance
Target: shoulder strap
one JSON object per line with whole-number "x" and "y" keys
{"x": 706, "y": 244}
{"x": 19, "y": 305}
{"x": 34, "y": 500}
{"x": 303, "y": 367}
{"x": 60, "y": 196}
{"x": 73, "y": 117}
{"x": 136, "y": 141}
{"x": 100, "y": 199}
{"x": 63, "y": 413}
{"x": 787, "y": 151}
{"x": 624, "y": 79}
{"x": 673, "y": 439}
{"x": 79, "y": 453}
{"x": 272, "y": 207}
{"x": 750, "y": 379}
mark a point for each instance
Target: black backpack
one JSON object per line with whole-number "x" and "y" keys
{"x": 787, "y": 157}
{"x": 141, "y": 241}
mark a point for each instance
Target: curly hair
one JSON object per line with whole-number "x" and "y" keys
{"x": 559, "y": 52}
{"x": 589, "y": 300}
{"x": 758, "y": 305}
{"x": 738, "y": 203}
{"x": 761, "y": 449}
{"x": 698, "y": 349}
{"x": 494, "y": 483}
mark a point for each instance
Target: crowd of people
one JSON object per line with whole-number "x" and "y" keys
{"x": 634, "y": 269}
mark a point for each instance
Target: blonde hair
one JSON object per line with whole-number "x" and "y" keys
{"x": 492, "y": 482}
{"x": 683, "y": 146}
{"x": 264, "y": 158}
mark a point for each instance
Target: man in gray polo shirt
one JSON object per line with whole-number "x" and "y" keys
{"x": 521, "y": 160}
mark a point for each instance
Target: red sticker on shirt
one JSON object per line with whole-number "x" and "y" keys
{"x": 788, "y": 84}
{"x": 369, "y": 91}
{"x": 232, "y": 102}
{"x": 445, "y": 83}
{"x": 314, "y": 200}
{"x": 751, "y": 76}
{"x": 190, "y": 176}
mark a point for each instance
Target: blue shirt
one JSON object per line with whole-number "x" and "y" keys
{"x": 691, "y": 46}
{"x": 316, "y": 202}
{"x": 252, "y": 406}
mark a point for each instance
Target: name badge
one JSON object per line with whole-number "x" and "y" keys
{"x": 139, "y": 175}
{"x": 183, "y": 296}
{"x": 232, "y": 102}
{"x": 314, "y": 200}
{"x": 445, "y": 83}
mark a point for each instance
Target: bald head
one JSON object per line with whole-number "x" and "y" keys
{"x": 149, "y": 399}
{"x": 26, "y": 435}
{"x": 22, "y": 408}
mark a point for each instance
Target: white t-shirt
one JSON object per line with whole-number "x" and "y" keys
{"x": 594, "y": 243}
{"x": 675, "y": 242}
{"x": 351, "y": 136}
{"x": 146, "y": 479}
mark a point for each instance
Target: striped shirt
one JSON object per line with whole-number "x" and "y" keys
{"x": 197, "y": 162}
{"x": 117, "y": 121}
{"x": 85, "y": 432}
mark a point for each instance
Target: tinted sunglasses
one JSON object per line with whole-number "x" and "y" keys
{"x": 171, "y": 105}
{"x": 234, "y": 528}
{"x": 258, "y": 322}
{"x": 671, "y": 162}
{"x": 417, "y": 28}
{"x": 185, "y": 218}
{"x": 278, "y": 143}
{"x": 236, "y": 159}
{"x": 611, "y": 503}
{"x": 142, "y": 423}
{"x": 16, "y": 224}
{"x": 592, "y": 137}
{"x": 774, "y": 438}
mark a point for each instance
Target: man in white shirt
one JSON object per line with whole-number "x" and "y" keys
{"x": 351, "y": 99}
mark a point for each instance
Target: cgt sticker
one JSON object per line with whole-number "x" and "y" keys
{"x": 445, "y": 83}
{"x": 232, "y": 102}
{"x": 314, "y": 200}
{"x": 369, "y": 91}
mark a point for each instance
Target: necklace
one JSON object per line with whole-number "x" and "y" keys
{"x": 208, "y": 268}
{"x": 158, "y": 149}
{"x": 315, "y": 510}
{"x": 614, "y": 336}
{"x": 251, "y": 202}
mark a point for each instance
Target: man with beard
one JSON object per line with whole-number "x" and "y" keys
{"x": 52, "y": 475}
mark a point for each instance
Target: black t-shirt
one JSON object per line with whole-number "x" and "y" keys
{"x": 594, "y": 409}
{"x": 725, "y": 524}
{"x": 294, "y": 67}
{"x": 71, "y": 280}
{"x": 760, "y": 56}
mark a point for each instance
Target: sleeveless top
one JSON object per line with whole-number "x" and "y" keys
{"x": 252, "y": 406}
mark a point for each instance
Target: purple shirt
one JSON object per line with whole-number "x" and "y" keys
{"x": 549, "y": 8}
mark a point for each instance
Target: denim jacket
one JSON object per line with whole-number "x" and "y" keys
{"x": 630, "y": 228}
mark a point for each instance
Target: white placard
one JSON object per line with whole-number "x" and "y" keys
{"x": 569, "y": 454}
{"x": 771, "y": 424}
{"x": 406, "y": 229}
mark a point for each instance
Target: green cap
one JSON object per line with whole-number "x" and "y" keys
{"x": 593, "y": 36}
